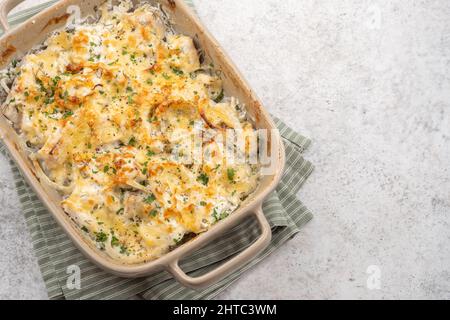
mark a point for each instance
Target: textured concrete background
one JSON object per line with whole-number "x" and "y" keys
{"x": 369, "y": 82}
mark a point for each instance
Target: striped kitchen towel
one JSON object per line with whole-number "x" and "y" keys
{"x": 56, "y": 253}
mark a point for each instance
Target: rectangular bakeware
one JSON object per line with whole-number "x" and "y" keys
{"x": 15, "y": 42}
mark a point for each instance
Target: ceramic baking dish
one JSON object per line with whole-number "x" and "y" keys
{"x": 19, "y": 40}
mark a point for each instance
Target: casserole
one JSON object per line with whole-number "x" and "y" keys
{"x": 185, "y": 22}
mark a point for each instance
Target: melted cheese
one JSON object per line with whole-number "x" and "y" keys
{"x": 105, "y": 105}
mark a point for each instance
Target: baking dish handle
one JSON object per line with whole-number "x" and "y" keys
{"x": 231, "y": 265}
{"x": 5, "y": 8}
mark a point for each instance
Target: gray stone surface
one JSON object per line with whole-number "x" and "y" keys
{"x": 369, "y": 82}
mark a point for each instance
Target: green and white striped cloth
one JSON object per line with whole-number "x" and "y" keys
{"x": 55, "y": 252}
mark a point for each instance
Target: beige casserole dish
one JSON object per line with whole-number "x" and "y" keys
{"x": 32, "y": 32}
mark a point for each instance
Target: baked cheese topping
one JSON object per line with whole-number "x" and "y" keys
{"x": 103, "y": 109}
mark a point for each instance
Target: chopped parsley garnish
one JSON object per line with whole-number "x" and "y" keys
{"x": 132, "y": 142}
{"x": 55, "y": 80}
{"x": 153, "y": 213}
{"x": 106, "y": 169}
{"x": 40, "y": 84}
{"x": 67, "y": 114}
{"x": 52, "y": 114}
{"x": 218, "y": 217}
{"x": 123, "y": 249}
{"x": 150, "y": 153}
{"x": 177, "y": 71}
{"x": 120, "y": 211}
{"x": 150, "y": 199}
{"x": 112, "y": 63}
{"x": 49, "y": 100}
{"x": 215, "y": 215}
{"x": 114, "y": 241}
{"x": 85, "y": 229}
{"x": 231, "y": 173}
{"x": 203, "y": 203}
{"x": 220, "y": 97}
{"x": 203, "y": 178}
{"x": 101, "y": 236}
{"x": 64, "y": 96}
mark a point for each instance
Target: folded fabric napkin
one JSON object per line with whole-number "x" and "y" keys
{"x": 55, "y": 251}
